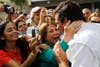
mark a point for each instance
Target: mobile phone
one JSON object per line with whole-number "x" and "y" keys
{"x": 33, "y": 32}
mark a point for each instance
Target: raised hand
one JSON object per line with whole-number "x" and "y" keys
{"x": 70, "y": 29}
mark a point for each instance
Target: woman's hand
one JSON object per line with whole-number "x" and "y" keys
{"x": 36, "y": 45}
{"x": 60, "y": 55}
{"x": 71, "y": 29}
{"x": 42, "y": 16}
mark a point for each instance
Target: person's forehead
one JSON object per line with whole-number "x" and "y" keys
{"x": 21, "y": 22}
{"x": 51, "y": 25}
{"x": 10, "y": 25}
{"x": 86, "y": 10}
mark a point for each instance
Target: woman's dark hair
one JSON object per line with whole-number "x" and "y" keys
{"x": 71, "y": 10}
{"x": 21, "y": 43}
{"x": 17, "y": 22}
{"x": 24, "y": 47}
{"x": 2, "y": 28}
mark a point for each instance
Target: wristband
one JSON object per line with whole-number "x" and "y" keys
{"x": 64, "y": 45}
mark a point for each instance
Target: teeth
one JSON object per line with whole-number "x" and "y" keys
{"x": 56, "y": 36}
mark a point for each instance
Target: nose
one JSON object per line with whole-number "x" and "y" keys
{"x": 15, "y": 31}
{"x": 56, "y": 31}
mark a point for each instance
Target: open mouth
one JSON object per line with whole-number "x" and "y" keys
{"x": 56, "y": 37}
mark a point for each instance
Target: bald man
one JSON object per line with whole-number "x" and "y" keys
{"x": 86, "y": 12}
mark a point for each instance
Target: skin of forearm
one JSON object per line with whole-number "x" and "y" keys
{"x": 63, "y": 64}
{"x": 29, "y": 60}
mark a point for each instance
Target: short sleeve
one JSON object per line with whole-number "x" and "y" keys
{"x": 4, "y": 58}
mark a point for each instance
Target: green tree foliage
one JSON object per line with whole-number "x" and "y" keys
{"x": 2, "y": 2}
{"x": 19, "y": 2}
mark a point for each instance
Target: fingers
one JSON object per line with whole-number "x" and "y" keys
{"x": 43, "y": 46}
{"x": 67, "y": 24}
{"x": 38, "y": 49}
{"x": 57, "y": 52}
{"x": 76, "y": 25}
{"x": 73, "y": 27}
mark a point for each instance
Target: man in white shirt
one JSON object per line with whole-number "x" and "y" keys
{"x": 84, "y": 47}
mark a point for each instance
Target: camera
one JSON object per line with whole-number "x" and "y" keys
{"x": 8, "y": 9}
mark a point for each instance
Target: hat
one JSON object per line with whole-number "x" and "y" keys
{"x": 36, "y": 9}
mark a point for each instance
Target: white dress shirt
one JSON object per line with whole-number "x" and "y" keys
{"x": 84, "y": 48}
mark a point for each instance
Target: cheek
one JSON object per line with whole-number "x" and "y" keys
{"x": 49, "y": 37}
{"x": 7, "y": 36}
{"x": 19, "y": 29}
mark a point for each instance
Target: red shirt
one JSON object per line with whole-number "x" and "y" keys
{"x": 5, "y": 57}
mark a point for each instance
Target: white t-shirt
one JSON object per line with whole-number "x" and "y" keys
{"x": 84, "y": 48}
{"x": 29, "y": 30}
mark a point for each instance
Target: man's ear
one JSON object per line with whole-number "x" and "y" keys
{"x": 2, "y": 38}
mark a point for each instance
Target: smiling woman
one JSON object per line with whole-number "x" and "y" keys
{"x": 14, "y": 52}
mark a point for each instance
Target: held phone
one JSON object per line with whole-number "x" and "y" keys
{"x": 33, "y": 32}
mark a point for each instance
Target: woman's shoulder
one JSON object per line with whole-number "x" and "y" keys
{"x": 2, "y": 52}
{"x": 4, "y": 58}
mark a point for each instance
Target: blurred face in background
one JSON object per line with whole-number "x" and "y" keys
{"x": 36, "y": 17}
{"x": 22, "y": 27}
{"x": 86, "y": 12}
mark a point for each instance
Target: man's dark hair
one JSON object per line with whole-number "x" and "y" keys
{"x": 71, "y": 10}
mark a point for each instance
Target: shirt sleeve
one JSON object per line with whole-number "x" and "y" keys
{"x": 81, "y": 56}
{"x": 4, "y": 58}
{"x": 64, "y": 45}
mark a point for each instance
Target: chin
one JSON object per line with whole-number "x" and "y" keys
{"x": 14, "y": 39}
{"x": 55, "y": 42}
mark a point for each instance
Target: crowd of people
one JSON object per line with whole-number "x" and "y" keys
{"x": 67, "y": 36}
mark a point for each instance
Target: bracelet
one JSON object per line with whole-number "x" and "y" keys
{"x": 64, "y": 45}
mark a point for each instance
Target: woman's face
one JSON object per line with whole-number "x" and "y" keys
{"x": 36, "y": 17}
{"x": 10, "y": 32}
{"x": 22, "y": 27}
{"x": 53, "y": 34}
